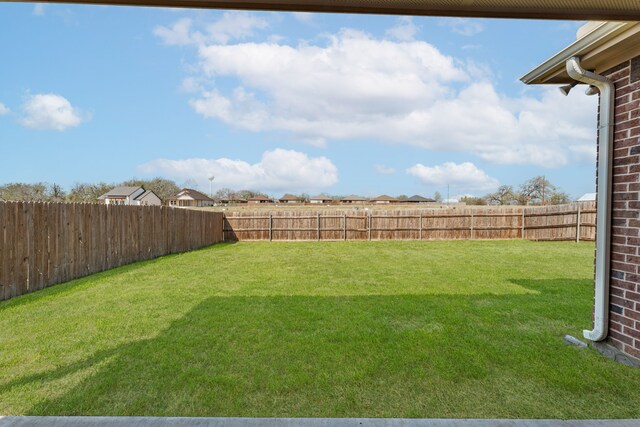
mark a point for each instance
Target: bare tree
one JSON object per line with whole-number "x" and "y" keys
{"x": 56, "y": 193}
{"x": 558, "y": 198}
{"x": 536, "y": 190}
{"x": 477, "y": 201}
{"x": 504, "y": 195}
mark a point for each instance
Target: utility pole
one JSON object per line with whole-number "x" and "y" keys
{"x": 448, "y": 195}
{"x": 544, "y": 186}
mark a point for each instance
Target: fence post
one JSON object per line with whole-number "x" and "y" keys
{"x": 369, "y": 225}
{"x": 471, "y": 225}
{"x": 318, "y": 220}
{"x": 420, "y": 225}
{"x": 523, "y": 217}
{"x": 270, "y": 226}
{"x": 344, "y": 217}
{"x": 578, "y": 219}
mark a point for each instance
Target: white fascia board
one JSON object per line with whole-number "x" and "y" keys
{"x": 556, "y": 64}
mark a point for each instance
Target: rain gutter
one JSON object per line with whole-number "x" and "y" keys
{"x": 603, "y": 216}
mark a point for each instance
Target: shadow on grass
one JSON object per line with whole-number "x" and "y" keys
{"x": 96, "y": 278}
{"x": 391, "y": 356}
{"x": 67, "y": 287}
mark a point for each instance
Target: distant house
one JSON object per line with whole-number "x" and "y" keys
{"x": 190, "y": 198}
{"x": 290, "y": 198}
{"x": 418, "y": 199}
{"x": 354, "y": 200}
{"x": 384, "y": 200}
{"x": 148, "y": 198}
{"x": 136, "y": 196}
{"x": 320, "y": 200}
{"x": 587, "y": 197}
{"x": 231, "y": 201}
{"x": 260, "y": 199}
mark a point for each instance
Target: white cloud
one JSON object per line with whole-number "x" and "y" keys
{"x": 230, "y": 26}
{"x": 49, "y": 111}
{"x": 463, "y": 177}
{"x": 235, "y": 25}
{"x": 278, "y": 170}
{"x": 463, "y": 26}
{"x": 405, "y": 30}
{"x": 4, "y": 109}
{"x": 354, "y": 86}
{"x": 38, "y": 9}
{"x": 179, "y": 33}
{"x": 304, "y": 17}
{"x": 385, "y": 170}
{"x": 586, "y": 153}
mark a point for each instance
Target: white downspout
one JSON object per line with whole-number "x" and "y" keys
{"x": 603, "y": 218}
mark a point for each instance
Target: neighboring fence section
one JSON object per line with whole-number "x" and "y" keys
{"x": 564, "y": 222}
{"x": 42, "y": 244}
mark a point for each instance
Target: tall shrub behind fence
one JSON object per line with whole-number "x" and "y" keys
{"x": 42, "y": 244}
{"x": 565, "y": 222}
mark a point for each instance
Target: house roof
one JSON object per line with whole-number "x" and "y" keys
{"x": 600, "y": 46}
{"x": 321, "y": 198}
{"x": 384, "y": 198}
{"x": 587, "y": 197}
{"x": 419, "y": 199}
{"x": 260, "y": 197}
{"x": 551, "y": 9}
{"x": 194, "y": 194}
{"x": 288, "y": 197}
{"x": 120, "y": 192}
{"x": 354, "y": 199}
{"x": 145, "y": 194}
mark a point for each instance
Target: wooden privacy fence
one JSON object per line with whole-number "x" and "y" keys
{"x": 563, "y": 222}
{"x": 42, "y": 244}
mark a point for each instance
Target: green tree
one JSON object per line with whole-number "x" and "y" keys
{"x": 20, "y": 191}
{"x": 87, "y": 192}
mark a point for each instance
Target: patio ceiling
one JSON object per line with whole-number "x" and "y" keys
{"x": 539, "y": 9}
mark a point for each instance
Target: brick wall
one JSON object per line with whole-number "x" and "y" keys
{"x": 624, "y": 326}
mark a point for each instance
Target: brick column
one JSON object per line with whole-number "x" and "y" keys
{"x": 624, "y": 325}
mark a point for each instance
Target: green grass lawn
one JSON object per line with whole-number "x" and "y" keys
{"x": 344, "y": 329}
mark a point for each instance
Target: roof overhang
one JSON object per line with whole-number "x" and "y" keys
{"x": 528, "y": 9}
{"x": 605, "y": 46}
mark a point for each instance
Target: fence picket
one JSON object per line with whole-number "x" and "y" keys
{"x": 42, "y": 244}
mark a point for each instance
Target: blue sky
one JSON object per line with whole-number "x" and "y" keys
{"x": 286, "y": 102}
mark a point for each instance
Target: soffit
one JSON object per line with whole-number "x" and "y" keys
{"x": 534, "y": 9}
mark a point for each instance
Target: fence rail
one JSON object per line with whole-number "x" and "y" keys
{"x": 42, "y": 244}
{"x": 565, "y": 222}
